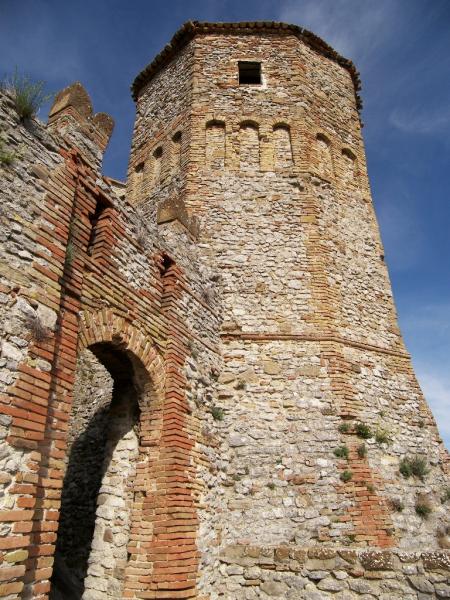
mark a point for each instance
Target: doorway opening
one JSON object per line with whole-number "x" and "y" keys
{"x": 97, "y": 496}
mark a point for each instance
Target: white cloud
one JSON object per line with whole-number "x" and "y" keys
{"x": 353, "y": 27}
{"x": 419, "y": 120}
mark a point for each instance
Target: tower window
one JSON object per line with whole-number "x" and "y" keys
{"x": 249, "y": 73}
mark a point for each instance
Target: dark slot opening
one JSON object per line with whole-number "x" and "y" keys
{"x": 249, "y": 72}
{"x": 94, "y": 219}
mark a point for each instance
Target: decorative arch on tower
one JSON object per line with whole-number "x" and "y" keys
{"x": 249, "y": 146}
{"x": 215, "y": 144}
{"x": 282, "y": 146}
{"x": 324, "y": 159}
{"x": 349, "y": 166}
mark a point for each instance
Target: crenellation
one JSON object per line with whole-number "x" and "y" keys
{"x": 205, "y": 392}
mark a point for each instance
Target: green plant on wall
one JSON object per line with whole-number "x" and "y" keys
{"x": 416, "y": 465}
{"x": 423, "y": 509}
{"x": 341, "y": 452}
{"x": 362, "y": 450}
{"x": 396, "y": 504}
{"x": 363, "y": 431}
{"x": 217, "y": 413}
{"x": 344, "y": 428}
{"x": 445, "y": 495}
{"x": 382, "y": 436}
{"x": 6, "y": 158}
{"x": 27, "y": 94}
{"x": 346, "y": 476}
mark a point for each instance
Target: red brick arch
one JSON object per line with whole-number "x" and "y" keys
{"x": 106, "y": 326}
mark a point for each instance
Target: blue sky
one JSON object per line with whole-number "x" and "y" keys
{"x": 402, "y": 49}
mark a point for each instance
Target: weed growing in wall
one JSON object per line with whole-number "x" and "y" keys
{"x": 363, "y": 431}
{"x": 217, "y": 413}
{"x": 423, "y": 509}
{"x": 362, "y": 450}
{"x": 38, "y": 331}
{"x": 6, "y": 158}
{"x": 396, "y": 504}
{"x": 341, "y": 452}
{"x": 28, "y": 95}
{"x": 416, "y": 465}
{"x": 344, "y": 428}
{"x": 70, "y": 253}
{"x": 446, "y": 495}
{"x": 382, "y": 436}
{"x": 346, "y": 476}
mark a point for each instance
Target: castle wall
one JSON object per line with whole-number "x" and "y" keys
{"x": 80, "y": 269}
{"x": 205, "y": 393}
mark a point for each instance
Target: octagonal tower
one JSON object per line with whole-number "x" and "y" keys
{"x": 248, "y": 140}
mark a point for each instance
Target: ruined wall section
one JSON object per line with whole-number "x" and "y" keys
{"x": 32, "y": 252}
{"x": 79, "y": 257}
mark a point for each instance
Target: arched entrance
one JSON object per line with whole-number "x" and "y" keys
{"x": 112, "y": 387}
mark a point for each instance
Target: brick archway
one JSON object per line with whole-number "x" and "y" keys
{"x": 112, "y": 446}
{"x": 106, "y": 326}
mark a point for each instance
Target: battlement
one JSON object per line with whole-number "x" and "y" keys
{"x": 72, "y": 116}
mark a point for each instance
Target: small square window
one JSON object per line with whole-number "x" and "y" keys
{"x": 249, "y": 73}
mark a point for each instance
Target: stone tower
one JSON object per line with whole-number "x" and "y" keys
{"x": 253, "y": 131}
{"x": 204, "y": 393}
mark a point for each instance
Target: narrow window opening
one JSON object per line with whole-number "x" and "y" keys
{"x": 157, "y": 160}
{"x": 138, "y": 179}
{"x": 100, "y": 208}
{"x": 165, "y": 264}
{"x": 249, "y": 73}
{"x": 176, "y": 150}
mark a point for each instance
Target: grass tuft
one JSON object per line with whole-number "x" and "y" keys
{"x": 346, "y": 476}
{"x": 363, "y": 431}
{"x": 362, "y": 450}
{"x": 28, "y": 95}
{"x": 341, "y": 452}
{"x": 382, "y": 436}
{"x": 423, "y": 509}
{"x": 217, "y": 413}
{"x": 396, "y": 504}
{"x": 344, "y": 428}
{"x": 39, "y": 332}
{"x": 417, "y": 466}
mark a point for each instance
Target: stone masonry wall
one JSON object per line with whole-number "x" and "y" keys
{"x": 81, "y": 270}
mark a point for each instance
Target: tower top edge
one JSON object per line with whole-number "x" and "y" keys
{"x": 192, "y": 28}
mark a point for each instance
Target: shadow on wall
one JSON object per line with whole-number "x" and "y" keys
{"x": 82, "y": 483}
{"x": 101, "y": 461}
